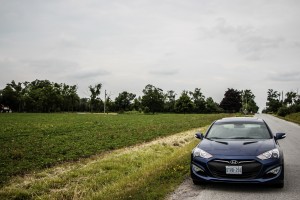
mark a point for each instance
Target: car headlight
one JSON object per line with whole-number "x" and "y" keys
{"x": 200, "y": 153}
{"x": 274, "y": 153}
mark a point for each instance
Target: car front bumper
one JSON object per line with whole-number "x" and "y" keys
{"x": 213, "y": 170}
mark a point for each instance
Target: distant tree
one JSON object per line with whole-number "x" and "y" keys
{"x": 248, "y": 102}
{"x": 273, "y": 102}
{"x": 123, "y": 102}
{"x": 1, "y": 96}
{"x": 199, "y": 100}
{"x": 290, "y": 98}
{"x": 18, "y": 90}
{"x": 184, "y": 104}
{"x": 211, "y": 106}
{"x": 84, "y": 105}
{"x": 169, "y": 105}
{"x": 42, "y": 96}
{"x": 110, "y": 105}
{"x": 232, "y": 101}
{"x": 10, "y": 98}
{"x": 137, "y": 104}
{"x": 95, "y": 92}
{"x": 153, "y": 98}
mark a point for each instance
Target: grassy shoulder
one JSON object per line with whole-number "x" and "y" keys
{"x": 146, "y": 171}
{"x": 294, "y": 117}
{"x": 31, "y": 142}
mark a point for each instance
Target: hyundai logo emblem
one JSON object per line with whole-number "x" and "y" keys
{"x": 234, "y": 162}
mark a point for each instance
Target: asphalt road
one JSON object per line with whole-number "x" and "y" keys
{"x": 291, "y": 149}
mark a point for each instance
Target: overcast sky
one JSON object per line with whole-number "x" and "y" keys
{"x": 172, "y": 44}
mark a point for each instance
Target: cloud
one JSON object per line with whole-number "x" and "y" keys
{"x": 91, "y": 73}
{"x": 285, "y": 77}
{"x": 253, "y": 47}
{"x": 247, "y": 40}
{"x": 51, "y": 64}
{"x": 296, "y": 44}
{"x": 69, "y": 41}
{"x": 164, "y": 72}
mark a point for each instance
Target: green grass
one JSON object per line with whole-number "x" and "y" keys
{"x": 294, "y": 117}
{"x": 35, "y": 141}
{"x": 148, "y": 171}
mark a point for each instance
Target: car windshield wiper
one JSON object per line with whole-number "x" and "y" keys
{"x": 242, "y": 138}
{"x": 226, "y": 143}
{"x": 213, "y": 138}
{"x": 245, "y": 143}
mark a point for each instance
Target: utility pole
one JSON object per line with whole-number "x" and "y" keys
{"x": 105, "y": 101}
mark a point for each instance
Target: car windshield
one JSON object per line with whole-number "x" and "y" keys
{"x": 238, "y": 130}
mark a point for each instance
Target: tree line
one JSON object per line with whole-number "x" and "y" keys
{"x": 282, "y": 104}
{"x": 46, "y": 96}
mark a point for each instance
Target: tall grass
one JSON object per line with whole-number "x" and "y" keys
{"x": 294, "y": 117}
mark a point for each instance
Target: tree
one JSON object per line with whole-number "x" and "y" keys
{"x": 95, "y": 92}
{"x": 110, "y": 105}
{"x": 123, "y": 102}
{"x": 232, "y": 101}
{"x": 169, "y": 105}
{"x": 273, "y": 103}
{"x": 290, "y": 98}
{"x": 153, "y": 98}
{"x": 199, "y": 100}
{"x": 184, "y": 104}
{"x": 248, "y": 103}
{"x": 211, "y": 106}
{"x": 137, "y": 104}
{"x": 40, "y": 96}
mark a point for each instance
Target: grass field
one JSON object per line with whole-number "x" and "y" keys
{"x": 35, "y": 141}
{"x": 294, "y": 117}
{"x": 145, "y": 171}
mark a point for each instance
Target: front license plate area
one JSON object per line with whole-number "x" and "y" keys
{"x": 234, "y": 170}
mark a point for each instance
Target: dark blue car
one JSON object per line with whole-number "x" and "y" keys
{"x": 238, "y": 150}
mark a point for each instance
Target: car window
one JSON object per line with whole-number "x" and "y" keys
{"x": 239, "y": 131}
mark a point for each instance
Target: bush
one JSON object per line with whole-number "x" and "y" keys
{"x": 294, "y": 108}
{"x": 283, "y": 111}
{"x": 146, "y": 110}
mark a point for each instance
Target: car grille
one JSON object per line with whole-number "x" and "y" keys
{"x": 250, "y": 169}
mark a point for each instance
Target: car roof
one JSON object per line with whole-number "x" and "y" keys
{"x": 239, "y": 119}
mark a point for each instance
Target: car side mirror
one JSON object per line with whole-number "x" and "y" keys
{"x": 199, "y": 136}
{"x": 279, "y": 136}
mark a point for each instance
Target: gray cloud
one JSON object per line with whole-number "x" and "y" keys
{"x": 285, "y": 77}
{"x": 248, "y": 41}
{"x": 164, "y": 72}
{"x": 90, "y": 74}
{"x": 51, "y": 64}
{"x": 255, "y": 46}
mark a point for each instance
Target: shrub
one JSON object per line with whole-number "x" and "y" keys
{"x": 283, "y": 111}
{"x": 294, "y": 108}
{"x": 146, "y": 110}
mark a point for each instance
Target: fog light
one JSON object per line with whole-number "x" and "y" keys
{"x": 274, "y": 171}
{"x": 197, "y": 169}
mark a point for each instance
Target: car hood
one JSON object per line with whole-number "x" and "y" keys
{"x": 237, "y": 147}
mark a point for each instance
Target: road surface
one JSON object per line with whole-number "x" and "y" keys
{"x": 291, "y": 191}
